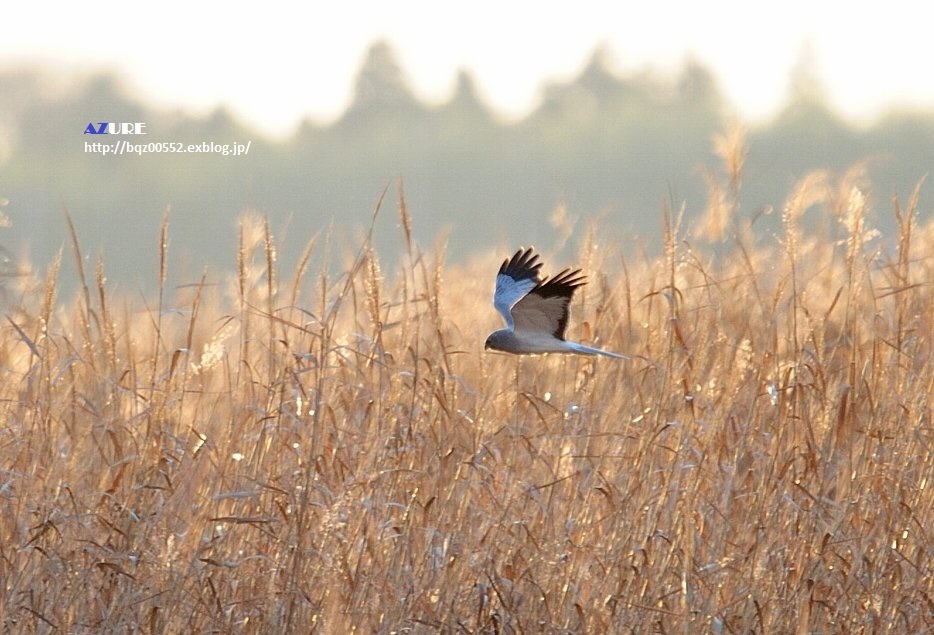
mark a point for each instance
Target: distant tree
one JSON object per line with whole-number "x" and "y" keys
{"x": 698, "y": 88}
{"x": 598, "y": 77}
{"x": 807, "y": 106}
{"x": 381, "y": 86}
{"x": 581, "y": 100}
{"x": 465, "y": 116}
{"x": 805, "y": 85}
{"x": 465, "y": 102}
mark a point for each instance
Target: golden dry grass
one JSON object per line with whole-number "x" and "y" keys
{"x": 333, "y": 451}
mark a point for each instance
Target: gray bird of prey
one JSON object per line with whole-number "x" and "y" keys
{"x": 535, "y": 310}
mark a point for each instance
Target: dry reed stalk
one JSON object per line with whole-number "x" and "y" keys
{"x": 351, "y": 459}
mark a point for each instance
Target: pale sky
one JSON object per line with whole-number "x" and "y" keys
{"x": 274, "y": 63}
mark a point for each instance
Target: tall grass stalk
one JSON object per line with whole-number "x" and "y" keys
{"x": 333, "y": 450}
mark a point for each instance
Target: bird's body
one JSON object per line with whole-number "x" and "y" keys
{"x": 535, "y": 310}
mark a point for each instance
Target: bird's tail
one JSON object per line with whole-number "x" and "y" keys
{"x": 589, "y": 350}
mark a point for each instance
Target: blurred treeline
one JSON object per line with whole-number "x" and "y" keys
{"x": 618, "y": 149}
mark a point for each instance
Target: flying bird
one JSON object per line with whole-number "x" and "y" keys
{"x": 535, "y": 310}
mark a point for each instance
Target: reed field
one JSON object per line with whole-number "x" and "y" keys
{"x": 329, "y": 449}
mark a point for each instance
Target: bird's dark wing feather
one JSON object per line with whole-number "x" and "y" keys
{"x": 545, "y": 307}
{"x": 523, "y": 265}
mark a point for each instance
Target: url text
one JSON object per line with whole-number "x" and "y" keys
{"x": 123, "y": 146}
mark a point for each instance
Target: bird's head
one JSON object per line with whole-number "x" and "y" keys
{"x": 495, "y": 340}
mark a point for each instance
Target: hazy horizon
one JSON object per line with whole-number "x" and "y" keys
{"x": 280, "y": 66}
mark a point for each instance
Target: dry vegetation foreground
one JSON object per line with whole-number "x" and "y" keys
{"x": 333, "y": 451}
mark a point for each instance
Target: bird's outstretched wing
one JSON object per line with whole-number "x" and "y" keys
{"x": 535, "y": 310}
{"x": 517, "y": 276}
{"x": 544, "y": 309}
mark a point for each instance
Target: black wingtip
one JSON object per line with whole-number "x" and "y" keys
{"x": 563, "y": 284}
{"x": 523, "y": 265}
